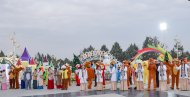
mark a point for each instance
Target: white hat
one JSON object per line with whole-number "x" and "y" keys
{"x": 63, "y": 67}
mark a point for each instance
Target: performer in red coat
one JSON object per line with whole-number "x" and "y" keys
{"x": 78, "y": 66}
{"x": 103, "y": 75}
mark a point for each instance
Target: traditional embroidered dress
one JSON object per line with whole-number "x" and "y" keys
{"x": 58, "y": 79}
{"x": 4, "y": 81}
{"x": 50, "y": 79}
{"x": 40, "y": 79}
{"x": 139, "y": 73}
{"x": 99, "y": 79}
{"x": 123, "y": 78}
{"x": 83, "y": 78}
{"x": 184, "y": 83}
{"x": 162, "y": 77}
{"x": 113, "y": 73}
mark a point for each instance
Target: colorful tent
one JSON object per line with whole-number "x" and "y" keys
{"x": 18, "y": 63}
{"x": 25, "y": 55}
{"x": 32, "y": 64}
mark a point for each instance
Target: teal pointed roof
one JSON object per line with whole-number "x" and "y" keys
{"x": 25, "y": 55}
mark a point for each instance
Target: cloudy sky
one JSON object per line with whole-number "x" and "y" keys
{"x": 64, "y": 27}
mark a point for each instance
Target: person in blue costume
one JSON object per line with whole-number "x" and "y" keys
{"x": 118, "y": 74}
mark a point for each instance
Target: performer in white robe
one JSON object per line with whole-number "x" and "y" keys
{"x": 162, "y": 77}
{"x": 139, "y": 72}
{"x": 40, "y": 79}
{"x": 83, "y": 78}
{"x": 123, "y": 78}
{"x": 99, "y": 78}
{"x": 184, "y": 83}
{"x": 113, "y": 77}
{"x": 4, "y": 81}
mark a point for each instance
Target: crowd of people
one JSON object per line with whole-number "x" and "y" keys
{"x": 127, "y": 74}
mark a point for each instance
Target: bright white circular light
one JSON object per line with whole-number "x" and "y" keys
{"x": 163, "y": 26}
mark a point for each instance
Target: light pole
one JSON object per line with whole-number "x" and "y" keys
{"x": 177, "y": 44}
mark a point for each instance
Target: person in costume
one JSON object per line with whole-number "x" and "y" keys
{"x": 45, "y": 77}
{"x": 83, "y": 78}
{"x": 16, "y": 73}
{"x": 118, "y": 73}
{"x": 58, "y": 79}
{"x": 64, "y": 75}
{"x": 157, "y": 73}
{"x": 133, "y": 76}
{"x": 78, "y": 66}
{"x": 103, "y": 67}
{"x": 4, "y": 80}
{"x": 40, "y": 79}
{"x": 145, "y": 73}
{"x": 69, "y": 74}
{"x": 168, "y": 71}
{"x": 35, "y": 79}
{"x": 28, "y": 78}
{"x": 90, "y": 73}
{"x": 162, "y": 76}
{"x": 139, "y": 73}
{"x": 94, "y": 67}
{"x": 123, "y": 78}
{"x": 113, "y": 73}
{"x": 152, "y": 73}
{"x": 183, "y": 68}
{"x": 99, "y": 79}
{"x": 22, "y": 78}
{"x": 129, "y": 72}
{"x": 175, "y": 73}
{"x": 50, "y": 78}
{"x": 12, "y": 78}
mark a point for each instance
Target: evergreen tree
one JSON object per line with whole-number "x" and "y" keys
{"x": 104, "y": 48}
{"x": 75, "y": 62}
{"x": 131, "y": 51}
{"x": 166, "y": 57}
{"x": 150, "y": 41}
{"x": 2, "y": 54}
{"x": 49, "y": 58}
{"x": 90, "y": 48}
{"x": 117, "y": 51}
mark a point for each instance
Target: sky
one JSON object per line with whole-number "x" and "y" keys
{"x": 64, "y": 27}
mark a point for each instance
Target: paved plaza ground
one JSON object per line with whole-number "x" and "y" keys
{"x": 74, "y": 91}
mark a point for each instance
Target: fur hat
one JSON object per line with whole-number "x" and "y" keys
{"x": 112, "y": 62}
{"x": 87, "y": 64}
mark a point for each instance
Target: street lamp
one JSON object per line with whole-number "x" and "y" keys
{"x": 163, "y": 26}
{"x": 177, "y": 48}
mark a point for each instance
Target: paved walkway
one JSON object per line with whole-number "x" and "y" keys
{"x": 74, "y": 91}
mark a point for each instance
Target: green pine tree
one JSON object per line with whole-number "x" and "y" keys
{"x": 75, "y": 62}
{"x": 104, "y": 48}
{"x": 117, "y": 52}
{"x": 166, "y": 57}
